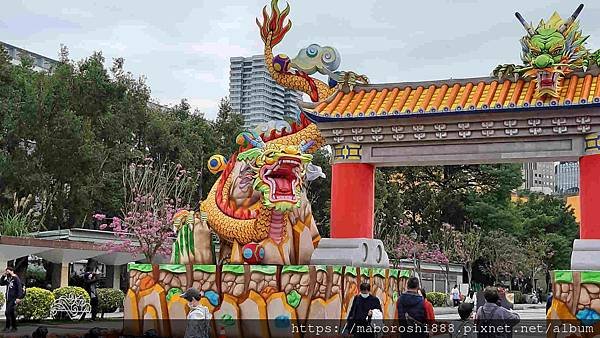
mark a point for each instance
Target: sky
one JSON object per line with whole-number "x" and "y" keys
{"x": 183, "y": 47}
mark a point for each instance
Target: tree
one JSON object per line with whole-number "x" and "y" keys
{"x": 467, "y": 247}
{"x": 536, "y": 256}
{"x": 500, "y": 251}
{"x": 66, "y": 135}
{"x": 154, "y": 193}
{"x": 227, "y": 126}
{"x": 319, "y": 191}
{"x": 410, "y": 248}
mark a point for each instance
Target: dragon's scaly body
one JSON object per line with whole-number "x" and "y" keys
{"x": 259, "y": 201}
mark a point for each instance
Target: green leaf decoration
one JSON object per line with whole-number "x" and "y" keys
{"x": 140, "y": 267}
{"x": 227, "y": 320}
{"x": 174, "y": 268}
{"x": 295, "y": 268}
{"x": 233, "y": 268}
{"x": 350, "y": 270}
{"x": 590, "y": 277}
{"x": 172, "y": 292}
{"x": 563, "y": 276}
{"x": 264, "y": 269}
{"x": 293, "y": 298}
{"x": 208, "y": 268}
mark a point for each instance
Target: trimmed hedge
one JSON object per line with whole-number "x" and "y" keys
{"x": 69, "y": 290}
{"x": 437, "y": 298}
{"x": 519, "y": 297}
{"x": 109, "y": 300}
{"x": 36, "y": 304}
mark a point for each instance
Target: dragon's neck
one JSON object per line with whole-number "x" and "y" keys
{"x": 316, "y": 89}
{"x": 275, "y": 222}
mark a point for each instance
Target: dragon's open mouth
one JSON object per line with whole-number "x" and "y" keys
{"x": 283, "y": 178}
{"x": 547, "y": 82}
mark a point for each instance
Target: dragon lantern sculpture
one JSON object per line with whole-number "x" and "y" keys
{"x": 258, "y": 206}
{"x": 550, "y": 51}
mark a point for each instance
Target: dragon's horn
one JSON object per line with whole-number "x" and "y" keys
{"x": 305, "y": 146}
{"x": 527, "y": 26}
{"x": 246, "y": 137}
{"x": 571, "y": 19}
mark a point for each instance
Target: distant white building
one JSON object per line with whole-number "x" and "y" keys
{"x": 567, "y": 178}
{"x": 40, "y": 62}
{"x": 256, "y": 96}
{"x": 539, "y": 177}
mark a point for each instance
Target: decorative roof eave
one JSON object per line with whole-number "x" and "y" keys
{"x": 453, "y": 96}
{"x": 317, "y": 118}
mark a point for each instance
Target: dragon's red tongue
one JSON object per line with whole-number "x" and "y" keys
{"x": 547, "y": 80}
{"x": 284, "y": 185}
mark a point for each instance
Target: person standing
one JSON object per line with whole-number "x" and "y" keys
{"x": 90, "y": 279}
{"x": 361, "y": 311}
{"x": 198, "y": 319}
{"x": 465, "y": 327}
{"x": 14, "y": 294}
{"x": 455, "y": 293}
{"x": 493, "y": 320}
{"x": 429, "y": 313}
{"x": 411, "y": 311}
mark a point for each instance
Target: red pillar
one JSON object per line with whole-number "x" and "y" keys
{"x": 352, "y": 200}
{"x": 589, "y": 196}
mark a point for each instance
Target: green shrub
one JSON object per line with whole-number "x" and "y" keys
{"x": 66, "y": 291}
{"x": 70, "y": 290}
{"x": 519, "y": 298}
{"x": 109, "y": 300}
{"x": 36, "y": 305}
{"x": 437, "y": 298}
{"x": 1, "y": 300}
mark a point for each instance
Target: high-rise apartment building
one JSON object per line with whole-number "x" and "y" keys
{"x": 567, "y": 178}
{"x": 538, "y": 177}
{"x": 255, "y": 95}
{"x": 40, "y": 62}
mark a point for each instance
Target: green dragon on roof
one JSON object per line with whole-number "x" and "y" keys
{"x": 550, "y": 51}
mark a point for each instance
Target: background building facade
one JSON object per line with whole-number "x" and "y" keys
{"x": 539, "y": 177}
{"x": 40, "y": 62}
{"x": 255, "y": 95}
{"x": 567, "y": 178}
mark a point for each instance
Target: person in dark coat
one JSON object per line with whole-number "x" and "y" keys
{"x": 494, "y": 320}
{"x": 14, "y": 294}
{"x": 359, "y": 316}
{"x": 412, "y": 315}
{"x": 90, "y": 279}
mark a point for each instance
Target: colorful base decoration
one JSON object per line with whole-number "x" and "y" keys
{"x": 281, "y": 296}
{"x": 576, "y": 299}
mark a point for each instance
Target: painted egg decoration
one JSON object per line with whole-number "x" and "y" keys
{"x": 253, "y": 253}
{"x": 281, "y": 63}
{"x": 216, "y": 163}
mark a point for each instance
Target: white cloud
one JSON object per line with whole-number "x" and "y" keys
{"x": 222, "y": 49}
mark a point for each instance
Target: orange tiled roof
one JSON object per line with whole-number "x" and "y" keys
{"x": 454, "y": 96}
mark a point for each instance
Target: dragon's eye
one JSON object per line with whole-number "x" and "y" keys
{"x": 556, "y": 49}
{"x": 312, "y": 50}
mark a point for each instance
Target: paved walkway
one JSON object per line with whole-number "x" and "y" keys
{"x": 114, "y": 321}
{"x": 110, "y": 321}
{"x": 66, "y": 328}
{"x": 518, "y": 307}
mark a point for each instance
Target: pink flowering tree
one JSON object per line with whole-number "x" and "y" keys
{"x": 153, "y": 194}
{"x": 409, "y": 248}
